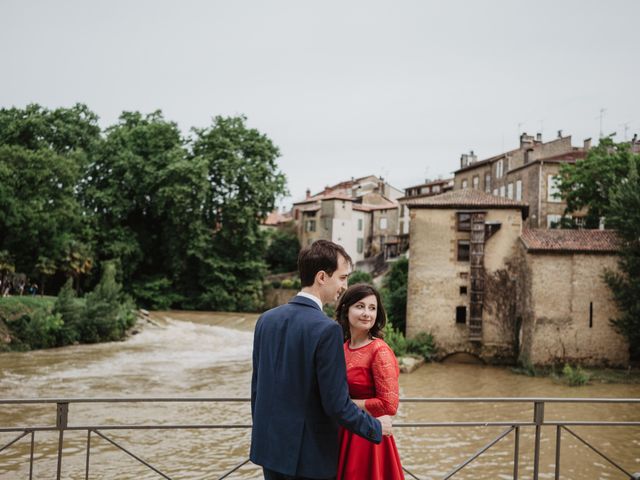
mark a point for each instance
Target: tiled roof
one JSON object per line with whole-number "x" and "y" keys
{"x": 585, "y": 241}
{"x": 276, "y": 218}
{"x": 467, "y": 198}
{"x": 565, "y": 157}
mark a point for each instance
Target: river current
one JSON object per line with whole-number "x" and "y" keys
{"x": 186, "y": 354}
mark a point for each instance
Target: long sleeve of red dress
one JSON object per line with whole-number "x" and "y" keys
{"x": 385, "y": 371}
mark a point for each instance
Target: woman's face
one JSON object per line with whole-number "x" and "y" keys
{"x": 362, "y": 314}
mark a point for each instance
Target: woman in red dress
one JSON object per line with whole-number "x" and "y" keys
{"x": 372, "y": 375}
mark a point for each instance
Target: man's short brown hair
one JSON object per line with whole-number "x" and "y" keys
{"x": 321, "y": 255}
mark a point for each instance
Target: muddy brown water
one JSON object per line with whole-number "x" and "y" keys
{"x": 187, "y": 354}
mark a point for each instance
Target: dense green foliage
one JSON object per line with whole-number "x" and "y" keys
{"x": 360, "y": 277}
{"x": 37, "y": 322}
{"x": 282, "y": 251}
{"x": 607, "y": 183}
{"x": 422, "y": 345}
{"x": 394, "y": 293}
{"x": 179, "y": 216}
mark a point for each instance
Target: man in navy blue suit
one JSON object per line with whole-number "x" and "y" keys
{"x": 299, "y": 391}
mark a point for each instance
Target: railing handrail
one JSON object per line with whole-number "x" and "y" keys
{"x": 23, "y": 401}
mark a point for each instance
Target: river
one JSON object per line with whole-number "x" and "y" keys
{"x": 190, "y": 354}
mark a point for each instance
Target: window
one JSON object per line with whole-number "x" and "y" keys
{"x": 360, "y": 223}
{"x": 518, "y": 189}
{"x": 464, "y": 222}
{"x": 553, "y": 221}
{"x": 476, "y": 182}
{"x": 360, "y": 245}
{"x": 465, "y": 184}
{"x": 502, "y": 191}
{"x": 310, "y": 226}
{"x": 487, "y": 182}
{"x": 495, "y": 192}
{"x": 383, "y": 223}
{"x": 463, "y": 250}
{"x": 461, "y": 314}
{"x": 499, "y": 168}
{"x": 435, "y": 189}
{"x": 463, "y": 290}
{"x": 553, "y": 192}
{"x": 510, "y": 190}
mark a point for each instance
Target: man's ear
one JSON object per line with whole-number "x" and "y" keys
{"x": 321, "y": 277}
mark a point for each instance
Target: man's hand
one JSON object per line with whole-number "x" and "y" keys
{"x": 387, "y": 426}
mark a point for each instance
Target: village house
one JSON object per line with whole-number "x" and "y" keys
{"x": 427, "y": 189}
{"x": 361, "y": 214}
{"x": 527, "y": 173}
{"x": 486, "y": 285}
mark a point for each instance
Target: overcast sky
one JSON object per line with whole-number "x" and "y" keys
{"x": 344, "y": 88}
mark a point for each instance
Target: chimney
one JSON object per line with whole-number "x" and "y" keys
{"x": 559, "y": 133}
{"x": 538, "y": 137}
{"x": 467, "y": 159}
{"x": 308, "y": 193}
{"x": 326, "y": 189}
{"x": 526, "y": 141}
{"x": 587, "y": 144}
{"x": 635, "y": 139}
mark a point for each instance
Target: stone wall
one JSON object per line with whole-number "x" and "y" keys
{"x": 559, "y": 326}
{"x": 274, "y": 297}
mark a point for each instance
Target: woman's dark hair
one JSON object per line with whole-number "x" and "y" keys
{"x": 321, "y": 255}
{"x": 350, "y": 297}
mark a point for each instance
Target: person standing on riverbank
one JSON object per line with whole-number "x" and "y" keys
{"x": 299, "y": 390}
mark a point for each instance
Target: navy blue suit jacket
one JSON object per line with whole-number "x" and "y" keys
{"x": 299, "y": 392}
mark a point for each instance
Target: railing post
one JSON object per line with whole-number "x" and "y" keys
{"x": 516, "y": 453}
{"x": 538, "y": 419}
{"x": 62, "y": 420}
{"x": 558, "y": 439}
{"x": 33, "y": 439}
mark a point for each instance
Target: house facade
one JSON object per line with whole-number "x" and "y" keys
{"x": 525, "y": 174}
{"x": 484, "y": 284}
{"x": 362, "y": 215}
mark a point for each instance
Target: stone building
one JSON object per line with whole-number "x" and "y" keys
{"x": 485, "y": 285}
{"x": 427, "y": 189}
{"x": 525, "y": 174}
{"x": 362, "y": 215}
{"x": 566, "y": 315}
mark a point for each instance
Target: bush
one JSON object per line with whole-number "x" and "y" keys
{"x": 291, "y": 283}
{"x": 360, "y": 277}
{"x": 575, "y": 377}
{"x": 394, "y": 294}
{"x": 282, "y": 252}
{"x": 395, "y": 339}
{"x": 423, "y": 345}
{"x": 41, "y": 329}
{"x": 108, "y": 313}
{"x": 71, "y": 311}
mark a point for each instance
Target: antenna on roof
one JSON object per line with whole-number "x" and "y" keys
{"x": 625, "y": 125}
{"x": 601, "y": 116}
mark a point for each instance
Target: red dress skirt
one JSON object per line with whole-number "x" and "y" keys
{"x": 372, "y": 374}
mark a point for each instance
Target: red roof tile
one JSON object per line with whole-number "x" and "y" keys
{"x": 465, "y": 199}
{"x": 577, "y": 241}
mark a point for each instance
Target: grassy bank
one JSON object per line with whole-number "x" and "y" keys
{"x": 105, "y": 314}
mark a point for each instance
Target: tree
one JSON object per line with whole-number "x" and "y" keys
{"x": 589, "y": 182}
{"x": 45, "y": 267}
{"x": 282, "y": 252}
{"x": 43, "y": 154}
{"x": 394, "y": 293}
{"x": 623, "y": 214}
{"x": 244, "y": 184}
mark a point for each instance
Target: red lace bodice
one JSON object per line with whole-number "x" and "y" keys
{"x": 372, "y": 374}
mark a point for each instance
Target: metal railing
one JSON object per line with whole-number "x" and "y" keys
{"x": 537, "y": 423}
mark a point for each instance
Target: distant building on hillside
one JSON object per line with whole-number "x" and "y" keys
{"x": 526, "y": 174}
{"x": 360, "y": 214}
